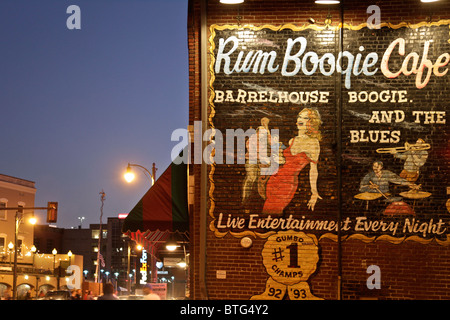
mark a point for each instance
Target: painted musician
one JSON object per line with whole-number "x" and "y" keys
{"x": 253, "y": 170}
{"x": 414, "y": 159}
{"x": 378, "y": 180}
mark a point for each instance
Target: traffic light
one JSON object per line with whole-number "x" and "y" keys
{"x": 52, "y": 212}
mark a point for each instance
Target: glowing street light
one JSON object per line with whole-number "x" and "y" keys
{"x": 32, "y": 220}
{"x": 171, "y": 245}
{"x": 18, "y": 218}
{"x": 129, "y": 175}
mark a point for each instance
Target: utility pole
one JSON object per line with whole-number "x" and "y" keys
{"x": 102, "y": 199}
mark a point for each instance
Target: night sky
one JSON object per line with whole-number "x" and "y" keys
{"x": 78, "y": 105}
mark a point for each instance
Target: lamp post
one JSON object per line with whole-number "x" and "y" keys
{"x": 52, "y": 208}
{"x": 129, "y": 255}
{"x": 10, "y": 250}
{"x": 54, "y": 252}
{"x": 70, "y": 261}
{"x": 33, "y": 251}
{"x": 81, "y": 221}
{"x": 17, "y": 220}
{"x": 129, "y": 175}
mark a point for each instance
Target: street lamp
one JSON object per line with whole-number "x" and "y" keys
{"x": 129, "y": 255}
{"x": 54, "y": 252}
{"x": 70, "y": 260}
{"x": 10, "y": 249}
{"x": 129, "y": 175}
{"x": 81, "y": 221}
{"x": 70, "y": 257}
{"x": 171, "y": 245}
{"x": 18, "y": 219}
{"x": 33, "y": 251}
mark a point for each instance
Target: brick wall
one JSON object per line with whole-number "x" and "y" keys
{"x": 410, "y": 269}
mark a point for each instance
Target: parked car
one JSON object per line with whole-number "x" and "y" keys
{"x": 57, "y": 295}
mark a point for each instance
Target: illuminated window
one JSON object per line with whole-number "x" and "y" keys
{"x": 95, "y": 234}
{"x": 2, "y": 244}
{"x": 19, "y": 248}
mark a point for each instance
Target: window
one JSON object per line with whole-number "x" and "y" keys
{"x": 49, "y": 245}
{"x": 19, "y": 248}
{"x": 3, "y": 204}
{"x": 2, "y": 244}
{"x": 37, "y": 243}
{"x": 95, "y": 234}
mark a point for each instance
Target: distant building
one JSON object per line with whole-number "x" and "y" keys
{"x": 113, "y": 247}
{"x": 15, "y": 192}
{"x": 36, "y": 271}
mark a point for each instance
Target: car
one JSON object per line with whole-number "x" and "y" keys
{"x": 57, "y": 295}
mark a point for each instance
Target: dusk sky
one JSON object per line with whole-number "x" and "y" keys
{"x": 78, "y": 105}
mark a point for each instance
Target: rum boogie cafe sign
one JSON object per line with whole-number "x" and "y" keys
{"x": 279, "y": 84}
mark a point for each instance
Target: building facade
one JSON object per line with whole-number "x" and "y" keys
{"x": 35, "y": 271}
{"x": 16, "y": 192}
{"x": 326, "y": 174}
{"x": 85, "y": 242}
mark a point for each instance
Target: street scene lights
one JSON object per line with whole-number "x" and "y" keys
{"x": 10, "y": 250}
{"x": 70, "y": 257}
{"x": 129, "y": 175}
{"x": 32, "y": 220}
{"x": 81, "y": 221}
{"x": 171, "y": 245}
{"x": 55, "y": 252}
{"x": 18, "y": 219}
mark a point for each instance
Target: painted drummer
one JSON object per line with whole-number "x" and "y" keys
{"x": 378, "y": 180}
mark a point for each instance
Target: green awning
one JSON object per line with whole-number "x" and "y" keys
{"x": 165, "y": 205}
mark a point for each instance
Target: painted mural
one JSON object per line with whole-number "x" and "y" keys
{"x": 277, "y": 94}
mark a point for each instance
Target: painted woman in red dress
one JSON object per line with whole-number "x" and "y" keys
{"x": 304, "y": 149}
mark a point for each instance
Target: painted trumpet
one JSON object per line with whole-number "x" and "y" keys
{"x": 407, "y": 147}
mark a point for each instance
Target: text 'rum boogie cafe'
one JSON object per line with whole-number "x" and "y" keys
{"x": 350, "y": 198}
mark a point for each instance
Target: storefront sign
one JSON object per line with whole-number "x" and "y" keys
{"x": 383, "y": 100}
{"x": 143, "y": 269}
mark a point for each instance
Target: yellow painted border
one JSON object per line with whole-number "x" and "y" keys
{"x": 212, "y": 113}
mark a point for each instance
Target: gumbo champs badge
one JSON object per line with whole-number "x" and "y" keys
{"x": 290, "y": 258}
